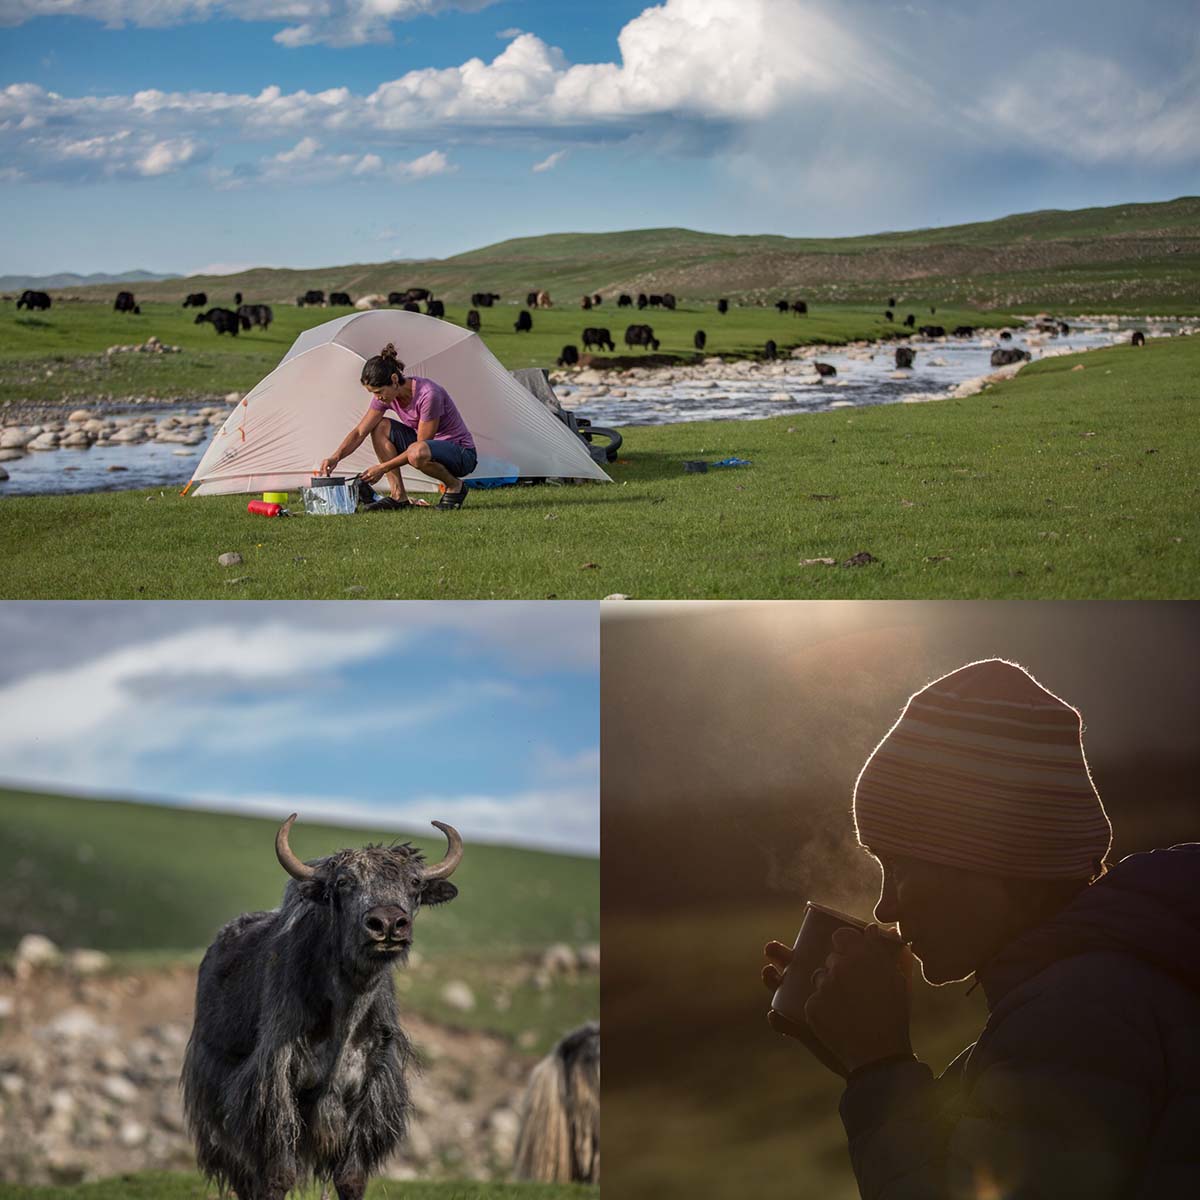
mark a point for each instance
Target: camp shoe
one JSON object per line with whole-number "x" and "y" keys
{"x": 387, "y": 504}
{"x": 453, "y": 499}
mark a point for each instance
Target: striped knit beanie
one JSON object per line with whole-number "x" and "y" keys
{"x": 985, "y": 770}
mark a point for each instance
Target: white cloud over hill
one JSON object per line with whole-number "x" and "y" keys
{"x": 780, "y": 81}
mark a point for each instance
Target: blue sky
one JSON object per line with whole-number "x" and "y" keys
{"x": 482, "y": 714}
{"x": 310, "y": 132}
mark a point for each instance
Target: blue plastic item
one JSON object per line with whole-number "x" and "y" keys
{"x": 732, "y": 462}
{"x": 505, "y": 481}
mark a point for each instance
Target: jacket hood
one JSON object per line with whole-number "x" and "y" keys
{"x": 1148, "y": 905}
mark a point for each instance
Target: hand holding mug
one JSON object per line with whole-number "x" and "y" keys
{"x": 859, "y": 1007}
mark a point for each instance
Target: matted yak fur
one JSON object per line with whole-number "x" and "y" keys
{"x": 296, "y": 1064}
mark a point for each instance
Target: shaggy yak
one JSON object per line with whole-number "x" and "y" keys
{"x": 559, "y": 1136}
{"x": 296, "y": 1063}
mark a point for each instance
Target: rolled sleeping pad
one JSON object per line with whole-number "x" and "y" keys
{"x": 275, "y": 497}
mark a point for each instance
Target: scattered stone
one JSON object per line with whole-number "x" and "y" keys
{"x": 7, "y": 1007}
{"x": 616, "y": 596}
{"x": 818, "y": 562}
{"x": 559, "y": 959}
{"x": 861, "y": 559}
{"x": 1077, "y": 367}
{"x": 82, "y": 414}
{"x": 88, "y": 962}
{"x": 120, "y": 1088}
{"x": 115, "y": 467}
{"x": 3, "y": 474}
{"x": 458, "y": 996}
{"x": 233, "y": 398}
{"x": 77, "y": 1023}
{"x": 8, "y": 455}
{"x": 230, "y": 559}
{"x": 132, "y": 1133}
{"x": 35, "y": 951}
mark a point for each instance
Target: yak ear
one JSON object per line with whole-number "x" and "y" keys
{"x": 438, "y": 891}
{"x": 315, "y": 889}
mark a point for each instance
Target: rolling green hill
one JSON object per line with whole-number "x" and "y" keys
{"x": 1130, "y": 258}
{"x": 141, "y": 878}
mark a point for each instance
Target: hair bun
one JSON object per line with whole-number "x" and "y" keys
{"x": 389, "y": 354}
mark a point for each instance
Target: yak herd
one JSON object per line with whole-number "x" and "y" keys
{"x": 243, "y": 317}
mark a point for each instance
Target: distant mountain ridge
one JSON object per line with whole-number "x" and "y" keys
{"x": 1104, "y": 256}
{"x": 68, "y": 279}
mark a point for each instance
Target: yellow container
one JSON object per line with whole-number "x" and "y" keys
{"x": 275, "y": 497}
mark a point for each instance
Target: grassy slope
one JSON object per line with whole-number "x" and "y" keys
{"x": 162, "y": 1185}
{"x": 163, "y": 879}
{"x": 1017, "y": 260}
{"x": 1057, "y": 484}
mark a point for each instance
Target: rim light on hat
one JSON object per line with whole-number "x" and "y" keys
{"x": 985, "y": 770}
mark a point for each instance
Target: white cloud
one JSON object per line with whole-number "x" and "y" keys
{"x": 345, "y": 23}
{"x": 551, "y": 818}
{"x": 433, "y": 163}
{"x": 779, "y": 82}
{"x": 226, "y": 268}
{"x": 549, "y": 163}
{"x": 104, "y": 723}
{"x": 1092, "y": 110}
{"x": 166, "y": 156}
{"x": 508, "y": 34}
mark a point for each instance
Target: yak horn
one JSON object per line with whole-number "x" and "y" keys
{"x": 454, "y": 853}
{"x": 287, "y": 858}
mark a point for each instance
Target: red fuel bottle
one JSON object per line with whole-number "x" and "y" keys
{"x": 261, "y": 506}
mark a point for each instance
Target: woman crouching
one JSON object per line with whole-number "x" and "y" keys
{"x": 411, "y": 422}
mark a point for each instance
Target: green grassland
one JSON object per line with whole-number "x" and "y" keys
{"x": 59, "y": 355}
{"x": 1128, "y": 258}
{"x": 1056, "y": 484}
{"x": 163, "y": 1185}
{"x": 152, "y": 885}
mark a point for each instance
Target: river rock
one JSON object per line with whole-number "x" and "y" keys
{"x": 128, "y": 433}
{"x": 82, "y": 414}
{"x": 44, "y": 441}
{"x": 35, "y": 951}
{"x": 559, "y": 959}
{"x": 78, "y": 438}
{"x": 3, "y": 474}
{"x": 15, "y": 438}
{"x": 120, "y": 1088}
{"x": 233, "y": 397}
{"x": 457, "y": 995}
{"x": 88, "y": 962}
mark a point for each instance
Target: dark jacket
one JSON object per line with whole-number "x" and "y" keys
{"x": 1086, "y": 1079}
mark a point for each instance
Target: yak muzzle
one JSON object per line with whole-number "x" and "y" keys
{"x": 388, "y": 923}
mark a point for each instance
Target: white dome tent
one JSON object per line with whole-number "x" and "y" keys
{"x": 277, "y": 436}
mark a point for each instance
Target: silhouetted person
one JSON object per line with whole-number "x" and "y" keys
{"x": 1085, "y": 1081}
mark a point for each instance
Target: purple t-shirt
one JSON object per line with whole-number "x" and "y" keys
{"x": 430, "y": 402}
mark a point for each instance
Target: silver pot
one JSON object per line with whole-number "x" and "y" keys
{"x": 330, "y": 495}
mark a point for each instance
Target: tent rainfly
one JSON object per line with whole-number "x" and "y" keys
{"x": 277, "y": 436}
